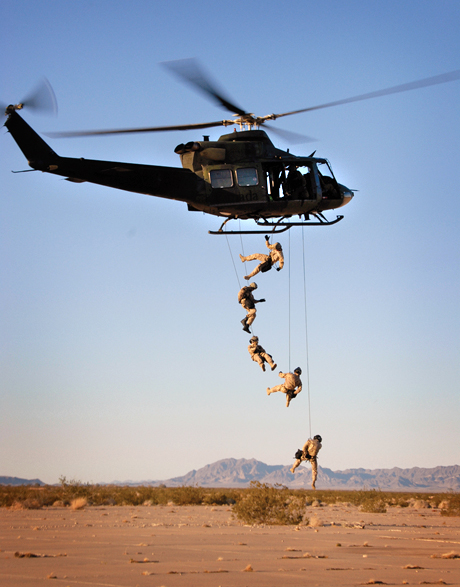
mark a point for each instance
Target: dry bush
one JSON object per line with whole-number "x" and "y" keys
{"x": 79, "y": 503}
{"x": 266, "y": 504}
{"x": 453, "y": 505}
{"x": 27, "y": 504}
{"x": 188, "y": 495}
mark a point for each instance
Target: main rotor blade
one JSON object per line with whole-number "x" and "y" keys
{"x": 290, "y": 137}
{"x": 87, "y": 133}
{"x": 190, "y": 71}
{"x": 429, "y": 81}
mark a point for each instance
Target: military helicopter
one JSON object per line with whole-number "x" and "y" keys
{"x": 240, "y": 176}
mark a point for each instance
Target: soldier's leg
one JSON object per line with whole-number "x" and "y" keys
{"x": 269, "y": 360}
{"x": 251, "y": 316}
{"x": 314, "y": 471}
{"x": 275, "y": 389}
{"x": 257, "y": 357}
{"x": 257, "y": 256}
{"x": 290, "y": 395}
{"x": 260, "y": 257}
{"x": 295, "y": 465}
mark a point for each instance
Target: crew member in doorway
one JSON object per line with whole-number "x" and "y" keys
{"x": 309, "y": 452}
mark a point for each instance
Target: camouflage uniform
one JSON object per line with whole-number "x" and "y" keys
{"x": 276, "y": 255}
{"x": 291, "y": 382}
{"x": 259, "y": 355}
{"x": 246, "y": 299}
{"x": 309, "y": 451}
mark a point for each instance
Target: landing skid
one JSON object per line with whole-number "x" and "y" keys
{"x": 277, "y": 227}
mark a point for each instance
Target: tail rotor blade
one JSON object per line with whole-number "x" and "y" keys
{"x": 42, "y": 99}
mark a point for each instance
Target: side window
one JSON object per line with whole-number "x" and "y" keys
{"x": 247, "y": 176}
{"x": 221, "y": 178}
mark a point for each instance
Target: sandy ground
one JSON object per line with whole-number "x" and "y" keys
{"x": 205, "y": 546}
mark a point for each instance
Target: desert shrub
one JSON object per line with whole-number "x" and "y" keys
{"x": 374, "y": 506}
{"x": 266, "y": 504}
{"x": 453, "y": 505}
{"x": 187, "y": 495}
{"x": 214, "y": 497}
{"x": 78, "y": 503}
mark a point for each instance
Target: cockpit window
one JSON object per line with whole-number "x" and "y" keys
{"x": 247, "y": 176}
{"x": 221, "y": 178}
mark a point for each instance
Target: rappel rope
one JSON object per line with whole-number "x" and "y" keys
{"x": 289, "y": 309}
{"x": 306, "y": 331}
{"x": 233, "y": 261}
{"x": 289, "y": 303}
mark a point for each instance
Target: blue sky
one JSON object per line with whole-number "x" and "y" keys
{"x": 121, "y": 344}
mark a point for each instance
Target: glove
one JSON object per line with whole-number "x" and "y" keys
{"x": 267, "y": 238}
{"x": 263, "y": 300}
{"x": 278, "y": 268}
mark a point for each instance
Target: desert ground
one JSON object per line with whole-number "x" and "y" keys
{"x": 117, "y": 546}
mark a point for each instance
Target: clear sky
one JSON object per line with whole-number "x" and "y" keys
{"x": 122, "y": 354}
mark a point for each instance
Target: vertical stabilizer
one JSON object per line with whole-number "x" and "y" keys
{"x": 38, "y": 153}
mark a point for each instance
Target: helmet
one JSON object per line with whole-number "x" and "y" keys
{"x": 318, "y": 438}
{"x": 298, "y": 371}
{"x": 253, "y": 285}
{"x": 254, "y": 339}
{"x": 278, "y": 247}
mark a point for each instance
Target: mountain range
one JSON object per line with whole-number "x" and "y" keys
{"x": 240, "y": 472}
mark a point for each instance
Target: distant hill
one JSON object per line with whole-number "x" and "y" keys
{"x": 19, "y": 481}
{"x": 239, "y": 473}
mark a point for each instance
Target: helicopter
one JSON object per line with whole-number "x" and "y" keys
{"x": 242, "y": 175}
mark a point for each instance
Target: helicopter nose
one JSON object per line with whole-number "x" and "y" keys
{"x": 347, "y": 194}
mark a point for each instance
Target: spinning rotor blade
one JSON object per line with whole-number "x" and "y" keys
{"x": 429, "y": 81}
{"x": 88, "y": 133}
{"x": 42, "y": 100}
{"x": 190, "y": 71}
{"x": 290, "y": 137}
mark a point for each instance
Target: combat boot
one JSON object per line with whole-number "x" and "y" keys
{"x": 274, "y": 367}
{"x": 245, "y": 325}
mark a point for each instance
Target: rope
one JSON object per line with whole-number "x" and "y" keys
{"x": 289, "y": 303}
{"x": 233, "y": 261}
{"x": 306, "y": 331}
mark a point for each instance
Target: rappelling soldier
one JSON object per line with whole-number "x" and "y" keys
{"x": 259, "y": 355}
{"x": 266, "y": 261}
{"x": 308, "y": 453}
{"x": 292, "y": 385}
{"x": 246, "y": 299}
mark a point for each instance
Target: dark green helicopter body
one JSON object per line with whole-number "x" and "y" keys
{"x": 240, "y": 176}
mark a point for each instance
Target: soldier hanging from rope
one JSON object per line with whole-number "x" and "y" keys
{"x": 246, "y": 299}
{"x": 308, "y": 453}
{"x": 266, "y": 261}
{"x": 292, "y": 385}
{"x": 259, "y": 355}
